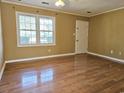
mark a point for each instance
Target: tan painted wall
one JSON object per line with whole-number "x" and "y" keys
{"x": 107, "y": 33}
{"x": 1, "y": 42}
{"x": 65, "y": 27}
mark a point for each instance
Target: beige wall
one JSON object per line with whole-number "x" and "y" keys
{"x": 65, "y": 27}
{"x": 107, "y": 33}
{"x": 1, "y": 43}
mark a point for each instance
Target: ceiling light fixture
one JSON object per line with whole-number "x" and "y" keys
{"x": 60, "y": 3}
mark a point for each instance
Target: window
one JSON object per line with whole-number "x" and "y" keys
{"x": 46, "y": 30}
{"x": 35, "y": 30}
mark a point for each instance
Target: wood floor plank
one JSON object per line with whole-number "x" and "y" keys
{"x": 73, "y": 74}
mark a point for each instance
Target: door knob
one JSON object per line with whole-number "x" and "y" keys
{"x": 77, "y": 40}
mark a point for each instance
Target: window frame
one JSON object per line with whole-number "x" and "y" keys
{"x": 37, "y": 30}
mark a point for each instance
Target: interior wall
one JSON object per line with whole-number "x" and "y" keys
{"x": 1, "y": 43}
{"x": 106, "y": 34}
{"x": 65, "y": 27}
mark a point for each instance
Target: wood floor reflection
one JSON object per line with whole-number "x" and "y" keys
{"x": 72, "y": 74}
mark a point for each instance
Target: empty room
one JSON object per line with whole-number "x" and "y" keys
{"x": 61, "y": 46}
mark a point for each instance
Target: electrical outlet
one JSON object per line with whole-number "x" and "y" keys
{"x": 49, "y": 50}
{"x": 111, "y": 51}
{"x": 74, "y": 34}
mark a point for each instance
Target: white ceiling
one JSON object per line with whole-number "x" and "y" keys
{"x": 77, "y": 6}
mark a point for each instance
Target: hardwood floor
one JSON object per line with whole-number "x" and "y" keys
{"x": 72, "y": 74}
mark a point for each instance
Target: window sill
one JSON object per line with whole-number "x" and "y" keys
{"x": 43, "y": 45}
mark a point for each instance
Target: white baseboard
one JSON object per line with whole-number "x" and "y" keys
{"x": 37, "y": 58}
{"x": 2, "y": 70}
{"x": 60, "y": 55}
{"x": 107, "y": 57}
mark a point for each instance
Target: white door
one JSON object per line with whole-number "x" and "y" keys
{"x": 81, "y": 40}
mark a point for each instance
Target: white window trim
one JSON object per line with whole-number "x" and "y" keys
{"x": 37, "y": 27}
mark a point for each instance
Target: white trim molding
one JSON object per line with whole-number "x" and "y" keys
{"x": 107, "y": 57}
{"x": 112, "y": 10}
{"x": 2, "y": 70}
{"x": 38, "y": 58}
